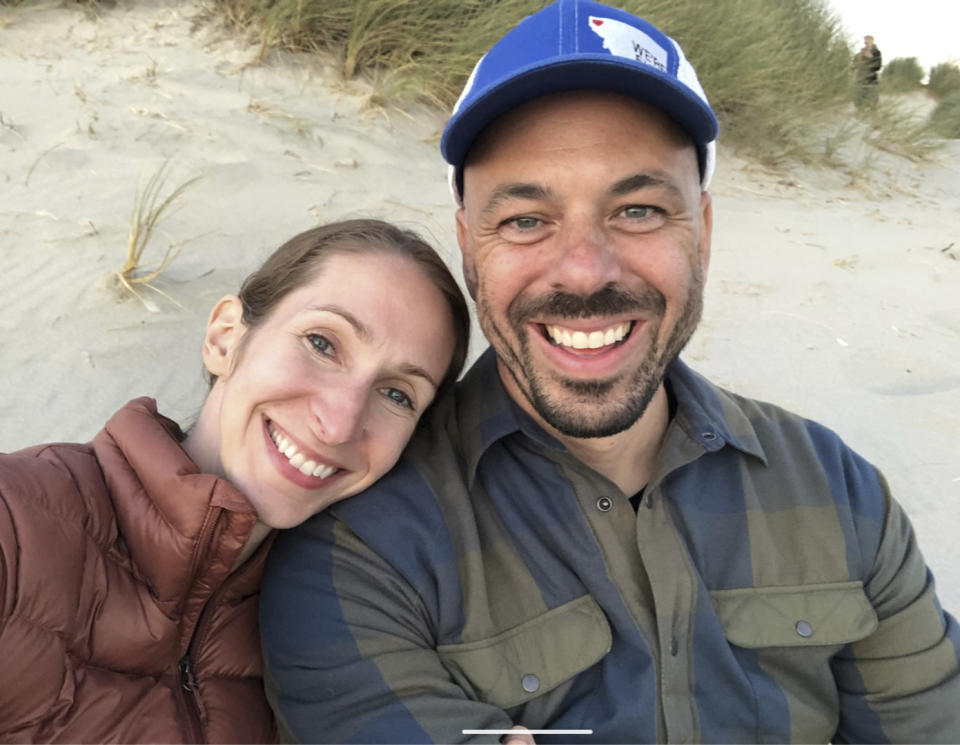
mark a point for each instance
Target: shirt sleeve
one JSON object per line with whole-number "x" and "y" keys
{"x": 349, "y": 651}
{"x": 901, "y": 683}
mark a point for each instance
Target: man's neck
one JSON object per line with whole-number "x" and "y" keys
{"x": 626, "y": 458}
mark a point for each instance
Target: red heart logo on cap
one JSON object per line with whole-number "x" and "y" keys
{"x": 597, "y": 22}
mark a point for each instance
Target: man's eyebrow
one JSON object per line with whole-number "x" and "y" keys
{"x": 517, "y": 190}
{"x": 362, "y": 331}
{"x": 642, "y": 181}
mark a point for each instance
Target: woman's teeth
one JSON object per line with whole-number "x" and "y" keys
{"x": 588, "y": 340}
{"x": 298, "y": 460}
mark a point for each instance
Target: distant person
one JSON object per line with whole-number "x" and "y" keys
{"x": 130, "y": 566}
{"x": 590, "y": 535}
{"x": 867, "y": 64}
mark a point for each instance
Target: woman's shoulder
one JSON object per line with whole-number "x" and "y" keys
{"x": 53, "y": 478}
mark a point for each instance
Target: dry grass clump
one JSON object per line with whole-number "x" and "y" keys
{"x": 150, "y": 208}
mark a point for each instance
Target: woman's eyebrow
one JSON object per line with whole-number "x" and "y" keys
{"x": 411, "y": 369}
{"x": 364, "y": 333}
{"x": 361, "y": 330}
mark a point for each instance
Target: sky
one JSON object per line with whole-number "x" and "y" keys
{"x": 926, "y": 29}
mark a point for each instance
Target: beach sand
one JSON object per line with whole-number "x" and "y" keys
{"x": 837, "y": 301}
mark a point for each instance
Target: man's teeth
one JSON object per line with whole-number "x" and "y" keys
{"x": 298, "y": 460}
{"x": 584, "y": 340}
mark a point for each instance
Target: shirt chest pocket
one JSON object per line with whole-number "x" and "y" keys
{"x": 795, "y": 616}
{"x": 533, "y": 658}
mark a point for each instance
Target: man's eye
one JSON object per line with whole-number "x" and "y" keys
{"x": 320, "y": 343}
{"x": 398, "y": 397}
{"x": 524, "y": 223}
{"x": 638, "y": 212}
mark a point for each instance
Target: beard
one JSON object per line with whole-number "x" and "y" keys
{"x": 593, "y": 408}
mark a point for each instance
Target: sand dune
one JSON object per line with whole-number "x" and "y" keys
{"x": 839, "y": 303}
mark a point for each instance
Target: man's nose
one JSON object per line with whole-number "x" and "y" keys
{"x": 339, "y": 414}
{"x": 587, "y": 261}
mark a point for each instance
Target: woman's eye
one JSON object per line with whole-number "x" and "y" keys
{"x": 320, "y": 343}
{"x": 398, "y": 397}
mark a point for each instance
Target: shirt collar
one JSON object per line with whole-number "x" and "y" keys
{"x": 709, "y": 415}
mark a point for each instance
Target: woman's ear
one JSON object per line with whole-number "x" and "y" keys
{"x": 224, "y": 330}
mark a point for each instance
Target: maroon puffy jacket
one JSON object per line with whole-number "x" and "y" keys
{"x": 120, "y": 619}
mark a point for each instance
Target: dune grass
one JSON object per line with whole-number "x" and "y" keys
{"x": 150, "y": 207}
{"x": 775, "y": 72}
{"x": 901, "y": 75}
{"x": 945, "y": 119}
{"x": 944, "y": 80}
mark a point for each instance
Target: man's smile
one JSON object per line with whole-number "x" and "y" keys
{"x": 578, "y": 338}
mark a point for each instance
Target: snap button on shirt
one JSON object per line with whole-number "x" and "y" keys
{"x": 804, "y": 629}
{"x": 530, "y": 683}
{"x": 604, "y": 504}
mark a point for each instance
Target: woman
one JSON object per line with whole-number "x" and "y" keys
{"x": 130, "y": 566}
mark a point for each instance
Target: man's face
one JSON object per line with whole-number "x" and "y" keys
{"x": 585, "y": 240}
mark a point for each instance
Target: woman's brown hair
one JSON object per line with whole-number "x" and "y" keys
{"x": 299, "y": 260}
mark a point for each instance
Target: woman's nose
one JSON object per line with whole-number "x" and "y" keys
{"x": 339, "y": 415}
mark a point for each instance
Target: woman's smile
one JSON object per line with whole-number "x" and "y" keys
{"x": 298, "y": 464}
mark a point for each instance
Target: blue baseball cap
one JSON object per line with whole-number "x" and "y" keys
{"x": 574, "y": 45}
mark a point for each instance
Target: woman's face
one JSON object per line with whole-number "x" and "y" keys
{"x": 320, "y": 399}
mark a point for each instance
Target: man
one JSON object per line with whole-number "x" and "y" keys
{"x": 590, "y": 537}
{"x": 867, "y": 64}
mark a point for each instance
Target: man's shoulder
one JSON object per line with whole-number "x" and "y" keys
{"x": 776, "y": 433}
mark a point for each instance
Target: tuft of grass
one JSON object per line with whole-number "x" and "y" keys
{"x": 901, "y": 75}
{"x": 150, "y": 208}
{"x": 945, "y": 119}
{"x": 897, "y": 130}
{"x": 944, "y": 80}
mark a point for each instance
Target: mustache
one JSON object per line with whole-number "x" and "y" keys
{"x": 605, "y": 302}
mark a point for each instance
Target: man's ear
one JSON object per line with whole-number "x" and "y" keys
{"x": 224, "y": 330}
{"x": 706, "y": 230}
{"x": 469, "y": 265}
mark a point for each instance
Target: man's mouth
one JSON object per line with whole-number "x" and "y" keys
{"x": 306, "y": 466}
{"x": 579, "y": 339}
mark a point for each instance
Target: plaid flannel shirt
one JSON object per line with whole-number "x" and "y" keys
{"x": 768, "y": 589}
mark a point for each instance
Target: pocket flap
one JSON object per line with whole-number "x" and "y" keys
{"x": 530, "y": 659}
{"x": 801, "y": 615}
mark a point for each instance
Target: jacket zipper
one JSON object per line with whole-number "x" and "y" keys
{"x": 188, "y": 688}
{"x": 187, "y": 682}
{"x": 186, "y": 693}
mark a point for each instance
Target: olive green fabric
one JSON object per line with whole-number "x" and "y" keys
{"x": 767, "y": 589}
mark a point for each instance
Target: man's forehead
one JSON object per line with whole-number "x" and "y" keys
{"x": 579, "y": 119}
{"x": 555, "y": 112}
